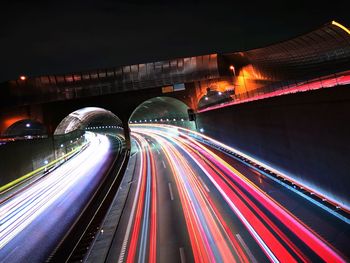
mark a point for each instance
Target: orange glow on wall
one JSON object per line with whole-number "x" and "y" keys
{"x": 9, "y": 121}
{"x": 249, "y": 79}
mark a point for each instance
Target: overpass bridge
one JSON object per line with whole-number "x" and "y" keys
{"x": 237, "y": 75}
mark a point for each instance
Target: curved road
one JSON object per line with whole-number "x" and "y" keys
{"x": 191, "y": 203}
{"x": 35, "y": 219}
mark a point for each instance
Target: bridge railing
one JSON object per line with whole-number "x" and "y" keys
{"x": 106, "y": 81}
{"x": 287, "y": 87}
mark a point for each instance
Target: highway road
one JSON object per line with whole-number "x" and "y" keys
{"x": 191, "y": 203}
{"x": 35, "y": 218}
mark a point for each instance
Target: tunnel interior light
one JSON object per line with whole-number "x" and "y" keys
{"x": 28, "y": 125}
{"x": 201, "y": 130}
{"x": 167, "y": 119}
{"x": 174, "y": 119}
{"x": 61, "y": 145}
{"x": 206, "y": 98}
{"x": 46, "y": 162}
{"x": 182, "y": 119}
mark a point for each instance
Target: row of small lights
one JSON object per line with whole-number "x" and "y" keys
{"x": 156, "y": 120}
{"x": 62, "y": 145}
{"x": 102, "y": 127}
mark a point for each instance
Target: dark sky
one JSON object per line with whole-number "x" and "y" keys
{"x": 42, "y": 37}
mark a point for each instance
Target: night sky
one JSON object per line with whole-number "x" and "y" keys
{"x": 43, "y": 37}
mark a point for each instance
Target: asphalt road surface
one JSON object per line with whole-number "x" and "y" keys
{"x": 191, "y": 203}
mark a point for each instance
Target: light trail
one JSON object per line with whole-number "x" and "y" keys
{"x": 22, "y": 209}
{"x": 278, "y": 233}
{"x": 144, "y": 229}
{"x": 301, "y": 184}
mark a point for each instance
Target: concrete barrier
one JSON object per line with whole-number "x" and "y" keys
{"x": 306, "y": 135}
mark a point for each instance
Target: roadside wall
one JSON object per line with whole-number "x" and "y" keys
{"x": 306, "y": 135}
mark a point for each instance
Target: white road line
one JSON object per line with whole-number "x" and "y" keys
{"x": 205, "y": 186}
{"x": 182, "y": 255}
{"x": 246, "y": 248}
{"x": 132, "y": 213}
{"x": 171, "y": 192}
{"x": 163, "y": 164}
{"x": 158, "y": 151}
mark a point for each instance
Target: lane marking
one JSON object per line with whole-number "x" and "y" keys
{"x": 246, "y": 248}
{"x": 158, "y": 151}
{"x": 132, "y": 213}
{"x": 171, "y": 192}
{"x": 163, "y": 164}
{"x": 205, "y": 186}
{"x": 182, "y": 255}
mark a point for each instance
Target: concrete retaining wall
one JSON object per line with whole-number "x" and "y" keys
{"x": 23, "y": 156}
{"x": 306, "y": 135}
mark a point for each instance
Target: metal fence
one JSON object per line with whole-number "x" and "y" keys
{"x": 287, "y": 87}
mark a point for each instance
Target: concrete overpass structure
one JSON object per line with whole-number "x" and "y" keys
{"x": 48, "y": 99}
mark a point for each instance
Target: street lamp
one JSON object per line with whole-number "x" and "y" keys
{"x": 233, "y": 70}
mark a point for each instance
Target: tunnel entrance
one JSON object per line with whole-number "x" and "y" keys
{"x": 26, "y": 128}
{"x": 90, "y": 119}
{"x": 163, "y": 110}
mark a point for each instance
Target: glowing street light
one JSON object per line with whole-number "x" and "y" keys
{"x": 206, "y": 98}
{"x": 233, "y": 70}
{"x": 28, "y": 125}
{"x": 22, "y": 77}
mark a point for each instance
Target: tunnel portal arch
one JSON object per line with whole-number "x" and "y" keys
{"x": 166, "y": 110}
{"x": 26, "y": 127}
{"x": 88, "y": 118}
